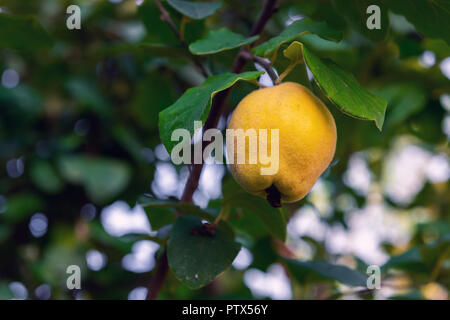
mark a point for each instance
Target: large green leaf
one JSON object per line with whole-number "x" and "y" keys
{"x": 319, "y": 11}
{"x": 343, "y": 89}
{"x": 246, "y": 224}
{"x": 23, "y": 33}
{"x": 195, "y": 10}
{"x": 196, "y": 258}
{"x": 301, "y": 270}
{"x": 273, "y": 219}
{"x": 264, "y": 254}
{"x": 432, "y": 18}
{"x": 355, "y": 12}
{"x": 342, "y": 53}
{"x": 295, "y": 30}
{"x": 102, "y": 178}
{"x": 219, "y": 40}
{"x": 194, "y": 105}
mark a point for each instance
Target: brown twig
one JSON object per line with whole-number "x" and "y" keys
{"x": 437, "y": 267}
{"x": 263, "y": 63}
{"x": 165, "y": 16}
{"x": 211, "y": 122}
{"x": 159, "y": 277}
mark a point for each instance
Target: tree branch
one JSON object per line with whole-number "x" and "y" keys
{"x": 166, "y": 17}
{"x": 159, "y": 277}
{"x": 218, "y": 105}
{"x": 262, "y": 62}
{"x": 217, "y": 109}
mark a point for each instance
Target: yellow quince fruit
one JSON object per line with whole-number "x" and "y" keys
{"x": 306, "y": 142}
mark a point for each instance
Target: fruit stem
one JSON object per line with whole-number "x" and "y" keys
{"x": 273, "y": 196}
{"x": 223, "y": 214}
{"x": 183, "y": 22}
{"x": 286, "y": 72}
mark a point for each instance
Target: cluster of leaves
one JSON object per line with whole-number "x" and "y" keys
{"x": 93, "y": 104}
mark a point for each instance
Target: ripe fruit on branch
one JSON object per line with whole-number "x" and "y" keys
{"x": 306, "y": 144}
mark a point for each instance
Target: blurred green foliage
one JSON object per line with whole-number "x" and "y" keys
{"x": 79, "y": 131}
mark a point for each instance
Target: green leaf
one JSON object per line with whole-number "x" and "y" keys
{"x": 194, "y": 30}
{"x": 294, "y": 52}
{"x": 420, "y": 259}
{"x": 52, "y": 266}
{"x": 219, "y": 40}
{"x": 432, "y": 18}
{"x": 158, "y": 31}
{"x": 410, "y": 295}
{"x": 102, "y": 238}
{"x": 343, "y": 89}
{"x": 197, "y": 259}
{"x": 408, "y": 260}
{"x": 26, "y": 100}
{"x": 194, "y": 105}
{"x": 246, "y": 224}
{"x": 273, "y": 219}
{"x": 44, "y": 176}
{"x": 355, "y": 13}
{"x": 440, "y": 249}
{"x": 102, "y": 178}
{"x": 161, "y": 50}
{"x": 295, "y": 30}
{"x": 21, "y": 206}
{"x": 195, "y": 10}
{"x": 151, "y": 96}
{"x": 87, "y": 93}
{"x": 342, "y": 53}
{"x": 301, "y": 270}
{"x": 184, "y": 208}
{"x": 319, "y": 11}
{"x": 438, "y": 46}
{"x": 404, "y": 100}
{"x": 23, "y": 33}
{"x": 264, "y": 254}
{"x": 5, "y": 292}
{"x": 159, "y": 216}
